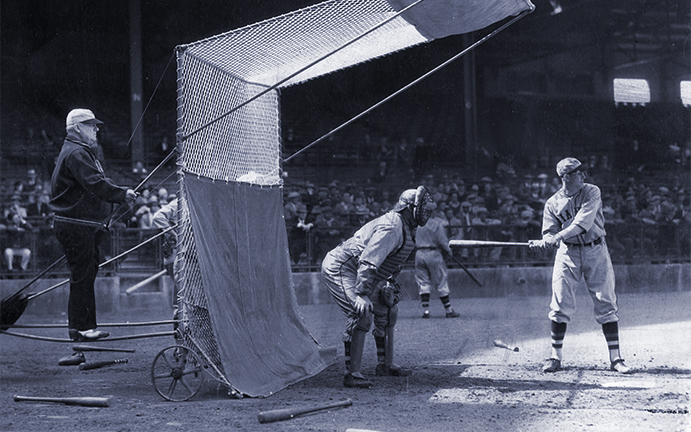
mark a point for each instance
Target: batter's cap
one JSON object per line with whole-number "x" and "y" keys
{"x": 569, "y": 165}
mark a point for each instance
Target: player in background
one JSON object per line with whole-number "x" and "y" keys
{"x": 165, "y": 217}
{"x": 359, "y": 275}
{"x": 430, "y": 269}
{"x": 573, "y": 222}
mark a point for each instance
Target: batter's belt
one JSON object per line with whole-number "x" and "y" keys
{"x": 592, "y": 243}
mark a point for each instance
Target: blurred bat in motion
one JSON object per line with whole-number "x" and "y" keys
{"x": 499, "y": 343}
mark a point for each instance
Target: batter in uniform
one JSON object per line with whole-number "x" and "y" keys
{"x": 574, "y": 223}
{"x": 359, "y": 275}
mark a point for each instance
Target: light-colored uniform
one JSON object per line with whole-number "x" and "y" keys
{"x": 430, "y": 269}
{"x": 584, "y": 256}
{"x": 361, "y": 264}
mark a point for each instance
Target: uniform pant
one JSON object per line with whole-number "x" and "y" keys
{"x": 340, "y": 277}
{"x": 573, "y": 264}
{"x": 430, "y": 272}
{"x": 80, "y": 245}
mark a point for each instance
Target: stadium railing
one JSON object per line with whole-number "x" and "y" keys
{"x": 628, "y": 244}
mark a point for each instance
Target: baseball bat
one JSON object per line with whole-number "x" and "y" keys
{"x": 85, "y": 348}
{"x": 501, "y": 344}
{"x": 81, "y": 401}
{"x": 484, "y": 243}
{"x": 289, "y": 413}
{"x": 100, "y": 364}
{"x": 472, "y": 276}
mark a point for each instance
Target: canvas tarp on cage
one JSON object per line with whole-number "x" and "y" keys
{"x": 232, "y": 268}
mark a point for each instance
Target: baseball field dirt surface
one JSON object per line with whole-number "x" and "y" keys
{"x": 461, "y": 380}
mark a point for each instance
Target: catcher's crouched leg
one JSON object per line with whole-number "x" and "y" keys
{"x": 384, "y": 329}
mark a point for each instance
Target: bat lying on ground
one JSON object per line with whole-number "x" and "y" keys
{"x": 501, "y": 344}
{"x": 484, "y": 243}
{"x": 81, "y": 401}
{"x": 94, "y": 348}
{"x": 289, "y": 413}
{"x": 100, "y": 364}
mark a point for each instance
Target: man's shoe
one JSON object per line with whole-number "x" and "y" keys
{"x": 551, "y": 365}
{"x": 350, "y": 380}
{"x": 87, "y": 335}
{"x": 426, "y": 314}
{"x": 618, "y": 365}
{"x": 73, "y": 360}
{"x": 393, "y": 370}
{"x": 452, "y": 314}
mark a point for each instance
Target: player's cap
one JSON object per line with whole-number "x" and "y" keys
{"x": 568, "y": 166}
{"x": 81, "y": 115}
{"x": 293, "y": 195}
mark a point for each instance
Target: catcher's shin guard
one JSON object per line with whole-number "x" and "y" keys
{"x": 357, "y": 348}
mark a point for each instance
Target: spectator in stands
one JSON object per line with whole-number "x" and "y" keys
{"x": 162, "y": 195}
{"x": 15, "y": 207}
{"x": 488, "y": 192}
{"x": 483, "y": 229}
{"x": 297, "y": 234}
{"x": 290, "y": 208}
{"x": 453, "y": 202}
{"x": 323, "y": 196}
{"x": 33, "y": 181}
{"x": 385, "y": 203}
{"x": 380, "y": 174}
{"x": 18, "y": 188}
{"x": 457, "y": 185}
{"x": 328, "y": 230}
{"x": 17, "y": 242}
{"x": 39, "y": 208}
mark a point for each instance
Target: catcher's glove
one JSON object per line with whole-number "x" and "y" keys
{"x": 391, "y": 293}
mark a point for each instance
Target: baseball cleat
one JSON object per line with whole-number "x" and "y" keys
{"x": 350, "y": 380}
{"x": 87, "y": 335}
{"x": 426, "y": 314}
{"x": 393, "y": 370}
{"x": 551, "y": 365}
{"x": 452, "y": 314}
{"x": 73, "y": 360}
{"x": 618, "y": 365}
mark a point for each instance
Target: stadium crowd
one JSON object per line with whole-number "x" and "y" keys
{"x": 644, "y": 219}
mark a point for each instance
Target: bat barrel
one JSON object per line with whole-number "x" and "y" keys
{"x": 288, "y": 413}
{"x": 484, "y": 243}
{"x": 82, "y": 401}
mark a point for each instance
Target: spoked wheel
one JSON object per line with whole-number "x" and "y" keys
{"x": 177, "y": 373}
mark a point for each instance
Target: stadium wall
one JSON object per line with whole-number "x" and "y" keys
{"x": 497, "y": 282}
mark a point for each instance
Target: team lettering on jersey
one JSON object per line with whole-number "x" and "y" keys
{"x": 566, "y": 215}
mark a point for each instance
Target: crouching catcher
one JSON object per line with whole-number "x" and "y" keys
{"x": 359, "y": 275}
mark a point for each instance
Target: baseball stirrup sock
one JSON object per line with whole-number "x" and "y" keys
{"x": 558, "y": 332}
{"x": 446, "y": 301}
{"x": 425, "y": 300}
{"x": 381, "y": 349}
{"x": 347, "y": 355}
{"x": 611, "y": 331}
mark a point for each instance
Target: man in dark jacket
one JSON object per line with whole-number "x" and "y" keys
{"x": 79, "y": 190}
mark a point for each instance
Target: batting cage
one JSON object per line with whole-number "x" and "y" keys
{"x": 236, "y": 294}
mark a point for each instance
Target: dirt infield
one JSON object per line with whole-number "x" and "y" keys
{"x": 460, "y": 380}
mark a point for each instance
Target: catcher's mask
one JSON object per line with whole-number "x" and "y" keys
{"x": 419, "y": 201}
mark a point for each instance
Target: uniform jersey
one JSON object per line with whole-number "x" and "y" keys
{"x": 432, "y": 235}
{"x": 583, "y": 209}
